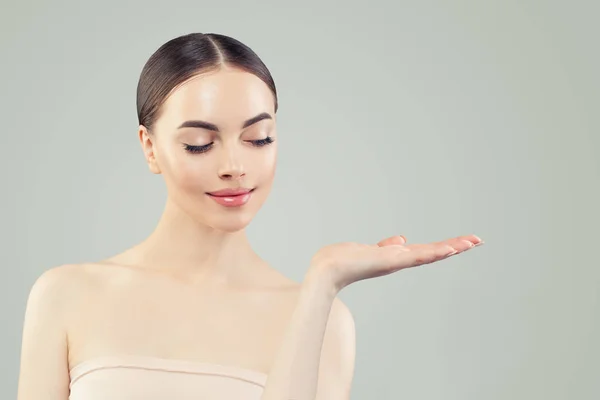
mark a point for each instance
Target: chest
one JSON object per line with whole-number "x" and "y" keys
{"x": 230, "y": 327}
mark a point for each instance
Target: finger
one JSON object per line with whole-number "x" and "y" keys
{"x": 461, "y": 243}
{"x": 469, "y": 238}
{"x": 415, "y": 255}
{"x": 451, "y": 247}
{"x": 397, "y": 240}
{"x": 432, "y": 253}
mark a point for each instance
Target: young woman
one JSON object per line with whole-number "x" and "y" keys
{"x": 192, "y": 312}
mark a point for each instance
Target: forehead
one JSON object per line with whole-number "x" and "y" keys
{"x": 225, "y": 97}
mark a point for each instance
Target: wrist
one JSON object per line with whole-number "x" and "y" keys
{"x": 319, "y": 279}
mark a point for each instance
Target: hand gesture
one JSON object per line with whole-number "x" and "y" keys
{"x": 345, "y": 263}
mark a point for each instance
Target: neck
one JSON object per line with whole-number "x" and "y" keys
{"x": 191, "y": 247}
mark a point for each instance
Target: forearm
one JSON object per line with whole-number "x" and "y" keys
{"x": 294, "y": 373}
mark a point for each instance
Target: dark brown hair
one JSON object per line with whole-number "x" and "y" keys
{"x": 186, "y": 56}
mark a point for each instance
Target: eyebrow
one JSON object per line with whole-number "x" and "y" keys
{"x": 212, "y": 127}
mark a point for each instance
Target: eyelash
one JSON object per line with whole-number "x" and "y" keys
{"x": 203, "y": 149}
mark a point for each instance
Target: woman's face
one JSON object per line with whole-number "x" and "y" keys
{"x": 210, "y": 135}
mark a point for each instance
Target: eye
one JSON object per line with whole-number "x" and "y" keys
{"x": 204, "y": 148}
{"x": 262, "y": 142}
{"x": 197, "y": 149}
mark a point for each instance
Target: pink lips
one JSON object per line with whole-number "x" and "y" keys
{"x": 231, "y": 197}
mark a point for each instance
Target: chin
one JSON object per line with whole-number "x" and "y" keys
{"x": 229, "y": 223}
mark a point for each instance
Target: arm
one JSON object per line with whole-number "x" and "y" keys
{"x": 44, "y": 373}
{"x": 295, "y": 372}
{"x": 316, "y": 357}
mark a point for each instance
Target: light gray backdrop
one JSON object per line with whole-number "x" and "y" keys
{"x": 427, "y": 118}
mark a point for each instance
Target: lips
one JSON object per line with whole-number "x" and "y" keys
{"x": 230, "y": 192}
{"x": 231, "y": 197}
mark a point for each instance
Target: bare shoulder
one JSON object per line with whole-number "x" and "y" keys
{"x": 63, "y": 281}
{"x": 336, "y": 370}
{"x": 55, "y": 285}
{"x": 341, "y": 314}
{"x": 59, "y": 289}
{"x": 340, "y": 333}
{"x": 52, "y": 299}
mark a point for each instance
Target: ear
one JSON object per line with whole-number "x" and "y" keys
{"x": 149, "y": 149}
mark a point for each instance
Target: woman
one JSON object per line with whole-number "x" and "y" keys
{"x": 192, "y": 312}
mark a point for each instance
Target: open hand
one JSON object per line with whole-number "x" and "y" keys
{"x": 345, "y": 263}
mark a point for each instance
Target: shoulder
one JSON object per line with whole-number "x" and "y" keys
{"x": 60, "y": 281}
{"x": 339, "y": 340}
{"x": 44, "y": 346}
{"x": 48, "y": 304}
{"x": 341, "y": 317}
{"x": 336, "y": 368}
{"x": 53, "y": 286}
{"x": 59, "y": 288}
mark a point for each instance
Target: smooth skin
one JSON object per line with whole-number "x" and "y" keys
{"x": 195, "y": 289}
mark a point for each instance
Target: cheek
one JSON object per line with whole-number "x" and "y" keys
{"x": 268, "y": 163}
{"x": 194, "y": 176}
{"x": 189, "y": 173}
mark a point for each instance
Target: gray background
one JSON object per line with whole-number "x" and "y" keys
{"x": 428, "y": 119}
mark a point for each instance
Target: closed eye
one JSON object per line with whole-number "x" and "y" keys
{"x": 262, "y": 142}
{"x": 204, "y": 148}
{"x": 197, "y": 149}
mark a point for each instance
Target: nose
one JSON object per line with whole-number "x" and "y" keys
{"x": 231, "y": 166}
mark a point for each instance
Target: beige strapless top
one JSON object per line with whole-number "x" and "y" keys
{"x": 153, "y": 378}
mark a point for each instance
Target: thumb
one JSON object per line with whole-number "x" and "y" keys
{"x": 393, "y": 240}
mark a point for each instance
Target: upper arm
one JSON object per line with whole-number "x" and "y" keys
{"x": 336, "y": 368}
{"x": 44, "y": 371}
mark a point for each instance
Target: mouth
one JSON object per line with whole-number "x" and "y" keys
{"x": 231, "y": 197}
{"x": 231, "y": 192}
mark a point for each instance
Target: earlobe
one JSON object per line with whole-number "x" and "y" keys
{"x": 148, "y": 149}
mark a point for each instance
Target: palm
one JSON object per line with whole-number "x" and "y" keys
{"x": 350, "y": 262}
